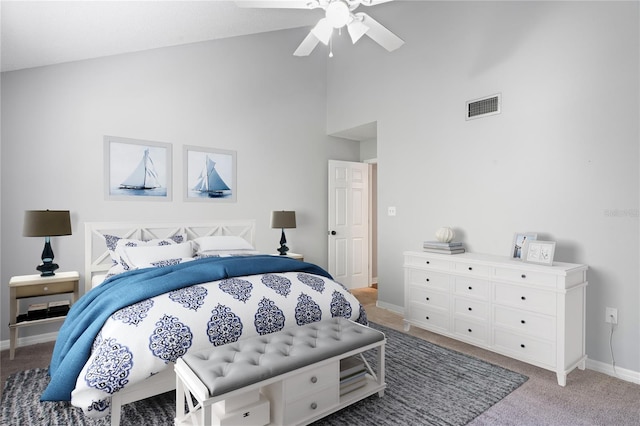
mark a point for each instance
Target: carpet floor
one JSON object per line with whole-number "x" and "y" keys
{"x": 426, "y": 384}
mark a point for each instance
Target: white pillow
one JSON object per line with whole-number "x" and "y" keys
{"x": 136, "y": 257}
{"x": 112, "y": 242}
{"x": 226, "y": 253}
{"x": 222, "y": 242}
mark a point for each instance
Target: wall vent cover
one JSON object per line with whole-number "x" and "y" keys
{"x": 483, "y": 107}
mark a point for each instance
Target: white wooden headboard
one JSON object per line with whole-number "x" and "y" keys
{"x": 98, "y": 261}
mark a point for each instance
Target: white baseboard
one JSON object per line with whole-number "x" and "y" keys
{"x": 620, "y": 373}
{"x": 30, "y": 340}
{"x": 389, "y": 307}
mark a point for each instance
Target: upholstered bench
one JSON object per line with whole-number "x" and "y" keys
{"x": 288, "y": 377}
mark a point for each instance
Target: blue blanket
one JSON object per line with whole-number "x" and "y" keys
{"x": 89, "y": 313}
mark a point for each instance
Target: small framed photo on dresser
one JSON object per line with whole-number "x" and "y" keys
{"x": 540, "y": 252}
{"x": 519, "y": 240}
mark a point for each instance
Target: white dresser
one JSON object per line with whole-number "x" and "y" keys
{"x": 533, "y": 313}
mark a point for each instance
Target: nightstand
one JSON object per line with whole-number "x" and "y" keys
{"x": 25, "y": 286}
{"x": 295, "y": 256}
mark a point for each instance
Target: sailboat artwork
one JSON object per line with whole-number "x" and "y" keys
{"x": 209, "y": 181}
{"x": 137, "y": 169}
{"x": 210, "y": 174}
{"x": 144, "y": 176}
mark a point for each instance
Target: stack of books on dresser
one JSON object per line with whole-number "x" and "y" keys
{"x": 444, "y": 248}
{"x": 353, "y": 374}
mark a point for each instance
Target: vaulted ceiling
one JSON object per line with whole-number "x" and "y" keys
{"x": 39, "y": 33}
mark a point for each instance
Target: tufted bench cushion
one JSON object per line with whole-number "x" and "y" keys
{"x": 235, "y": 365}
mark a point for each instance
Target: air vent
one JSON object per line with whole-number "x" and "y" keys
{"x": 484, "y": 107}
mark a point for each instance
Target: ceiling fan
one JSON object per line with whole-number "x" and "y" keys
{"x": 338, "y": 14}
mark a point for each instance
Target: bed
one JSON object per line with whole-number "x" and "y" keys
{"x": 157, "y": 291}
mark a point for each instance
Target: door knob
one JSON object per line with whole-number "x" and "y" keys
{"x": 333, "y": 232}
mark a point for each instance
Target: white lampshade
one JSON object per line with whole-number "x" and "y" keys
{"x": 338, "y": 14}
{"x": 356, "y": 30}
{"x": 323, "y": 31}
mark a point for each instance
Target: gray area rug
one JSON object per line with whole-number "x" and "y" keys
{"x": 426, "y": 385}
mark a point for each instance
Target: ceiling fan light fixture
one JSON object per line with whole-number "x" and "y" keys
{"x": 338, "y": 14}
{"x": 356, "y": 30}
{"x": 322, "y": 31}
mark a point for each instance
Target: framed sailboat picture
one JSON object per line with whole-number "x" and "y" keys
{"x": 210, "y": 174}
{"x": 137, "y": 169}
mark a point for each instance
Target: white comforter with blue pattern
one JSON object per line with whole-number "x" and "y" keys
{"x": 139, "y": 339}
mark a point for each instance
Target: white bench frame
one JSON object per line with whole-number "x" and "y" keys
{"x": 188, "y": 385}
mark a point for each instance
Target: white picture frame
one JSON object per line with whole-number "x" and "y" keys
{"x": 519, "y": 239}
{"x": 210, "y": 174}
{"x": 137, "y": 170}
{"x": 540, "y": 252}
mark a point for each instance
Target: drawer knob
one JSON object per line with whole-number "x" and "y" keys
{"x": 46, "y": 288}
{"x": 426, "y": 298}
{"x": 470, "y": 268}
{"x": 470, "y": 288}
{"x": 314, "y": 379}
{"x": 426, "y": 318}
{"x": 469, "y": 308}
{"x": 523, "y": 298}
{"x": 427, "y": 262}
{"x": 427, "y": 280}
{"x": 522, "y": 345}
{"x": 523, "y": 276}
{"x": 523, "y": 322}
{"x": 314, "y": 405}
{"x": 469, "y": 330}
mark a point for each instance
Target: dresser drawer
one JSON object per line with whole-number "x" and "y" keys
{"x": 526, "y": 298}
{"x": 527, "y": 323}
{"x": 470, "y": 307}
{"x": 471, "y": 330}
{"x": 525, "y": 277}
{"x": 472, "y": 287}
{"x": 428, "y": 262}
{"x": 471, "y": 268}
{"x": 429, "y": 318}
{"x": 429, "y": 297}
{"x": 311, "y": 381}
{"x": 311, "y": 405}
{"x": 524, "y": 347}
{"x": 430, "y": 279}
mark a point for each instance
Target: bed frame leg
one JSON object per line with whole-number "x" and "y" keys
{"x": 116, "y": 407}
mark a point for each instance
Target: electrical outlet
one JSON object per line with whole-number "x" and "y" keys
{"x": 611, "y": 315}
{"x": 391, "y": 211}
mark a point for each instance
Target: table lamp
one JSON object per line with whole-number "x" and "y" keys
{"x": 283, "y": 219}
{"x": 47, "y": 224}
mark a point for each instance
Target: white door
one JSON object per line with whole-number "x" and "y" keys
{"x": 349, "y": 223}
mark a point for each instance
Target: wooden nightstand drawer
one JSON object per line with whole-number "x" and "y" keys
{"x": 45, "y": 289}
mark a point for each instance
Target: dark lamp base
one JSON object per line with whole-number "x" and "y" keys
{"x": 47, "y": 269}
{"x": 283, "y": 250}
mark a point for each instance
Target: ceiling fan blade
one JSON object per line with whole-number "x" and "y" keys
{"x": 322, "y": 31}
{"x": 278, "y": 4}
{"x": 356, "y": 29}
{"x": 380, "y": 34}
{"x": 306, "y": 47}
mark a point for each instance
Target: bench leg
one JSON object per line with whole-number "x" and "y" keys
{"x": 381, "y": 368}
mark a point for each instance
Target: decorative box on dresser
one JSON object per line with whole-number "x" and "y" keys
{"x": 533, "y": 313}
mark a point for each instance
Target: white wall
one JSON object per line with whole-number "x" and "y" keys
{"x": 247, "y": 94}
{"x": 561, "y": 160}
